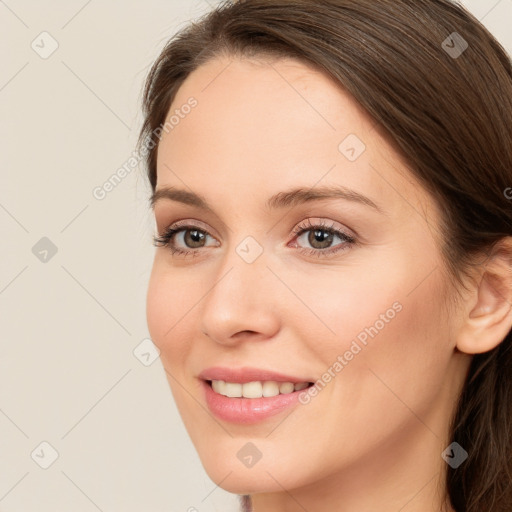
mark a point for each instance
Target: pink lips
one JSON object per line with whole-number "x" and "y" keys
{"x": 247, "y": 410}
{"x": 247, "y": 374}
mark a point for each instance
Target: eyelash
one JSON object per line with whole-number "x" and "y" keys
{"x": 166, "y": 238}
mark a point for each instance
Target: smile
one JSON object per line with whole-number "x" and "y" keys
{"x": 249, "y": 410}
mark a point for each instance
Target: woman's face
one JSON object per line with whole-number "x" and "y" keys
{"x": 264, "y": 288}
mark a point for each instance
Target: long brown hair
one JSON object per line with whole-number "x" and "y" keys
{"x": 445, "y": 102}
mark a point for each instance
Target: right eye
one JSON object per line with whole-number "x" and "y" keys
{"x": 192, "y": 238}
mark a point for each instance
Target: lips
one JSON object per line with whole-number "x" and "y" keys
{"x": 243, "y": 410}
{"x": 248, "y": 374}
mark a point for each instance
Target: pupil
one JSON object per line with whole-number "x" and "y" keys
{"x": 195, "y": 236}
{"x": 320, "y": 236}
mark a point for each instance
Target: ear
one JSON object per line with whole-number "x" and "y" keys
{"x": 488, "y": 315}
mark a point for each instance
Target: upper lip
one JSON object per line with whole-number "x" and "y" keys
{"x": 247, "y": 374}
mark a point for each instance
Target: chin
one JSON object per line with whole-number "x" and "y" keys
{"x": 235, "y": 478}
{"x": 245, "y": 482}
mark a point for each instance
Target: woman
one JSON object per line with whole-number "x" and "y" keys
{"x": 332, "y": 288}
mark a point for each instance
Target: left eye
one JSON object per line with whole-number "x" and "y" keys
{"x": 320, "y": 238}
{"x": 193, "y": 238}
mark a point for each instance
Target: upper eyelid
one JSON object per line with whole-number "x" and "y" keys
{"x": 323, "y": 223}
{"x": 190, "y": 224}
{"x": 311, "y": 222}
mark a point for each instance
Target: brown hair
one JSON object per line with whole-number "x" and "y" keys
{"x": 447, "y": 110}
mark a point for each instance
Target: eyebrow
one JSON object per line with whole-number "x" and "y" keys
{"x": 280, "y": 200}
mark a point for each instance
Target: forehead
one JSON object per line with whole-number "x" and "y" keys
{"x": 264, "y": 103}
{"x": 266, "y": 125}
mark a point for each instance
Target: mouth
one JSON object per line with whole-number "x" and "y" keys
{"x": 251, "y": 402}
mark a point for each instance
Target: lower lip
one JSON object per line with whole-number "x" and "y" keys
{"x": 248, "y": 410}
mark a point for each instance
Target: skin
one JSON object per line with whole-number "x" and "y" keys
{"x": 372, "y": 438}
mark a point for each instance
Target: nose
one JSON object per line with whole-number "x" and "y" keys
{"x": 241, "y": 303}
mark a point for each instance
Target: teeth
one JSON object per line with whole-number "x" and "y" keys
{"x": 256, "y": 389}
{"x": 252, "y": 390}
{"x": 217, "y": 385}
{"x": 270, "y": 388}
{"x": 232, "y": 389}
{"x": 286, "y": 387}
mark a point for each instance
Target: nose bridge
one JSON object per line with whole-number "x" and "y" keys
{"x": 240, "y": 297}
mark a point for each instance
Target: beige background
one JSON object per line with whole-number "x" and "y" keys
{"x": 70, "y": 324}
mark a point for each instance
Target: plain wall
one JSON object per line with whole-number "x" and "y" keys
{"x": 74, "y": 268}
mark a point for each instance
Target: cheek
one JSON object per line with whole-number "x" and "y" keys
{"x": 157, "y": 307}
{"x": 377, "y": 334}
{"x": 396, "y": 359}
{"x": 344, "y": 304}
{"x": 170, "y": 298}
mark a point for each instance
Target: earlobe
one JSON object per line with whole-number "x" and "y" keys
{"x": 489, "y": 320}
